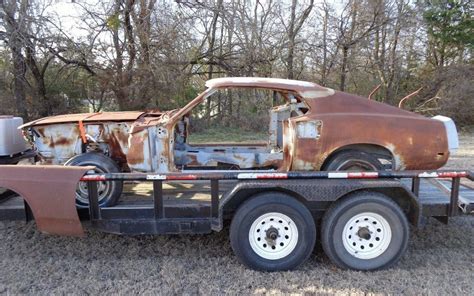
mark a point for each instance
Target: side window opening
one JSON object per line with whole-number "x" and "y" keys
{"x": 236, "y": 129}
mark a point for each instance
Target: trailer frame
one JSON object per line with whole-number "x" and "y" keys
{"x": 331, "y": 198}
{"x": 157, "y": 218}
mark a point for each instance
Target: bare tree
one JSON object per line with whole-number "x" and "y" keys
{"x": 293, "y": 27}
{"x": 14, "y": 15}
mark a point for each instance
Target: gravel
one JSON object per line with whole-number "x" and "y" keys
{"x": 439, "y": 260}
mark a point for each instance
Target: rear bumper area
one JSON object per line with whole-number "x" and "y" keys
{"x": 451, "y": 133}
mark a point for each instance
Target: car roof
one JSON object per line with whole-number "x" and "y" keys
{"x": 306, "y": 89}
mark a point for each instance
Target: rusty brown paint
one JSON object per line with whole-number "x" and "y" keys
{"x": 61, "y": 142}
{"x": 414, "y": 141}
{"x": 41, "y": 131}
{"x": 135, "y": 152}
{"x": 50, "y": 191}
{"x": 87, "y": 117}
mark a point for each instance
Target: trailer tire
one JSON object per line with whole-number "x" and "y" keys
{"x": 109, "y": 191}
{"x": 285, "y": 242}
{"x": 365, "y": 231}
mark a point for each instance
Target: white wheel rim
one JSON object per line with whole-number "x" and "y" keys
{"x": 273, "y": 236}
{"x": 367, "y": 235}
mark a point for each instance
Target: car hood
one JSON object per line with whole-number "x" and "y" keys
{"x": 91, "y": 117}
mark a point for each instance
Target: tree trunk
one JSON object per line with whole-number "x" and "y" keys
{"x": 212, "y": 40}
{"x": 19, "y": 81}
{"x": 325, "y": 46}
{"x": 345, "y": 52}
{"x": 13, "y": 29}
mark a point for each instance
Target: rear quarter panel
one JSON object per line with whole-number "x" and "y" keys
{"x": 416, "y": 142}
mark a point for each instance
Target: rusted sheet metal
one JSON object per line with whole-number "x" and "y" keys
{"x": 416, "y": 142}
{"x": 56, "y": 143}
{"x": 374, "y": 91}
{"x": 50, "y": 191}
{"x": 241, "y": 157}
{"x": 59, "y": 138}
{"x": 402, "y": 101}
{"x": 87, "y": 117}
{"x": 304, "y": 133}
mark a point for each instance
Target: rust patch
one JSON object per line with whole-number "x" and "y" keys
{"x": 135, "y": 152}
{"x": 40, "y": 130}
{"x": 62, "y": 142}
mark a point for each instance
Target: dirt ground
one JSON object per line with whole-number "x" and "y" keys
{"x": 439, "y": 261}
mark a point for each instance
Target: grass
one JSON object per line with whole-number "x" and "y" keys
{"x": 226, "y": 134}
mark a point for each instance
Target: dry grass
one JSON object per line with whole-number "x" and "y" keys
{"x": 439, "y": 261}
{"x": 464, "y": 157}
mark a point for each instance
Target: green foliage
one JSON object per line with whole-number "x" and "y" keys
{"x": 113, "y": 22}
{"x": 189, "y": 93}
{"x": 450, "y": 22}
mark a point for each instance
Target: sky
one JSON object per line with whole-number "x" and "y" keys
{"x": 69, "y": 12}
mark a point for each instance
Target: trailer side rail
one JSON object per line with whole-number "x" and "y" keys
{"x": 159, "y": 220}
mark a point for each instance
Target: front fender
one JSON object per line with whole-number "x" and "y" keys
{"x": 50, "y": 192}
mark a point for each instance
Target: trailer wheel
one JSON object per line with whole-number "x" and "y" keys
{"x": 365, "y": 231}
{"x": 272, "y": 231}
{"x": 109, "y": 191}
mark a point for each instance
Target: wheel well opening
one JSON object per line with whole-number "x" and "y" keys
{"x": 15, "y": 202}
{"x": 378, "y": 151}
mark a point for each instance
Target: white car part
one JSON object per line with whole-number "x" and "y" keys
{"x": 11, "y": 138}
{"x": 451, "y": 132}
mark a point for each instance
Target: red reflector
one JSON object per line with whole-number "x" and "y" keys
{"x": 272, "y": 176}
{"x": 362, "y": 175}
{"x": 452, "y": 174}
{"x": 181, "y": 177}
{"x": 93, "y": 178}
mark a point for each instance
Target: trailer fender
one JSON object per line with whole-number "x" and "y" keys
{"x": 50, "y": 192}
{"x": 323, "y": 191}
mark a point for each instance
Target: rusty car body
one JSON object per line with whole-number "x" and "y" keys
{"x": 316, "y": 123}
{"x": 305, "y": 134}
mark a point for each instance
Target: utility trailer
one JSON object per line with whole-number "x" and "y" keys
{"x": 361, "y": 218}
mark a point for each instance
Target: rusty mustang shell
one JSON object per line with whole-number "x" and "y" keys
{"x": 315, "y": 124}
{"x": 50, "y": 191}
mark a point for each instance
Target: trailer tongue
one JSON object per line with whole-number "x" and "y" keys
{"x": 364, "y": 215}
